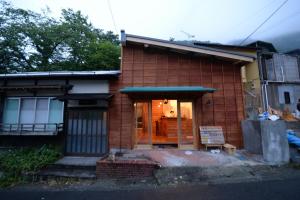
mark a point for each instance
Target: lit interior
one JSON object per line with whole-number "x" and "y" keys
{"x": 164, "y": 122}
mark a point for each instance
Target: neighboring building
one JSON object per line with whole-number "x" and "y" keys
{"x": 68, "y": 109}
{"x": 280, "y": 77}
{"x": 168, "y": 90}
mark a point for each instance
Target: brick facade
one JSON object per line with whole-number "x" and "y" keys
{"x": 151, "y": 67}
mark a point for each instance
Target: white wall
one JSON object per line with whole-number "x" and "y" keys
{"x": 89, "y": 86}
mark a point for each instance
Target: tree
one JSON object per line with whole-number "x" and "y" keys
{"x": 13, "y": 56}
{"x": 90, "y": 48}
{"x": 33, "y": 41}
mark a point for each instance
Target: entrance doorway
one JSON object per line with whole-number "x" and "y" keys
{"x": 87, "y": 132}
{"x": 165, "y": 122}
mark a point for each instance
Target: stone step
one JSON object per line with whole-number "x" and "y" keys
{"x": 67, "y": 173}
{"x": 71, "y": 167}
{"x": 57, "y": 166}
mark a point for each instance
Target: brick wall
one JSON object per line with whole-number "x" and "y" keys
{"x": 125, "y": 168}
{"x": 150, "y": 67}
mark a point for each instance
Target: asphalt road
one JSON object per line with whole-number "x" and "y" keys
{"x": 273, "y": 190}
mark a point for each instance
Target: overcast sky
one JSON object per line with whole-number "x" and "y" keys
{"x": 208, "y": 20}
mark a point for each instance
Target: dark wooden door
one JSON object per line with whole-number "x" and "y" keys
{"x": 87, "y": 132}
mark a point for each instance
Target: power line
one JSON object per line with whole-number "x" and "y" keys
{"x": 112, "y": 16}
{"x": 251, "y": 16}
{"x": 272, "y": 26}
{"x": 273, "y": 13}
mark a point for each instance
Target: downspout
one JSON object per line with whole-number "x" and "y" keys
{"x": 266, "y": 95}
{"x": 123, "y": 43}
{"x": 282, "y": 73}
{"x": 262, "y": 95}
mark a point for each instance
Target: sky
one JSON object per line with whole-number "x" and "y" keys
{"x": 222, "y": 21}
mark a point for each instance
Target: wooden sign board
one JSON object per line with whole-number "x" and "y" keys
{"x": 211, "y": 135}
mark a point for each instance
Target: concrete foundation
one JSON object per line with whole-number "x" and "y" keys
{"x": 267, "y": 138}
{"x": 252, "y": 136}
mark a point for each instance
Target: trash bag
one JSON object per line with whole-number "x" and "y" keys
{"x": 292, "y": 138}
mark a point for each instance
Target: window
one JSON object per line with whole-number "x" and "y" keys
{"x": 287, "y": 98}
{"x": 37, "y": 114}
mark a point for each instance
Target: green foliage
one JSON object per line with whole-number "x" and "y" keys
{"x": 32, "y": 41}
{"x": 17, "y": 162}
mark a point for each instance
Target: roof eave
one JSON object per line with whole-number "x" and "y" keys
{"x": 112, "y": 73}
{"x": 215, "y": 52}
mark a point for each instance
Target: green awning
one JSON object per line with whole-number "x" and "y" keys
{"x": 167, "y": 89}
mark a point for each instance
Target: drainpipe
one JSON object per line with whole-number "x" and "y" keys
{"x": 262, "y": 95}
{"x": 282, "y": 73}
{"x": 266, "y": 95}
{"x": 261, "y": 75}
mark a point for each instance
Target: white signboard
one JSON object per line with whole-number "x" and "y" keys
{"x": 211, "y": 135}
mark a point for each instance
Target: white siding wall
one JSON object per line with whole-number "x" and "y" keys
{"x": 89, "y": 86}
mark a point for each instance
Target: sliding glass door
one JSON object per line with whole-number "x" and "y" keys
{"x": 186, "y": 129}
{"x": 165, "y": 123}
{"x": 142, "y": 121}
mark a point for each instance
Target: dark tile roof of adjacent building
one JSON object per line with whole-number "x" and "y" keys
{"x": 295, "y": 52}
{"x": 262, "y": 45}
{"x": 225, "y": 45}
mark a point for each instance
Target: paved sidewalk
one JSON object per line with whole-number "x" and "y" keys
{"x": 195, "y": 158}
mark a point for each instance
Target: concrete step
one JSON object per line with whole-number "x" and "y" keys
{"x": 67, "y": 173}
{"x": 57, "y": 166}
{"x": 71, "y": 167}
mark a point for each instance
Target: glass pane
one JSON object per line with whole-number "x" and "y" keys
{"x": 164, "y": 122}
{"x": 186, "y": 114}
{"x": 142, "y": 123}
{"x": 41, "y": 110}
{"x": 27, "y": 115}
{"x": 55, "y": 112}
{"x": 169, "y": 108}
{"x": 41, "y": 114}
{"x": 27, "y": 110}
{"x": 10, "y": 114}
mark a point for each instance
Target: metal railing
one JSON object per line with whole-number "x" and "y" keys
{"x": 30, "y": 128}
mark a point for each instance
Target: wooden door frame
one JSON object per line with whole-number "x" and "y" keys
{"x": 179, "y": 131}
{"x": 149, "y": 107}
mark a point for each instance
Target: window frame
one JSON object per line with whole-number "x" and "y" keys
{"x": 35, "y": 107}
{"x": 287, "y": 97}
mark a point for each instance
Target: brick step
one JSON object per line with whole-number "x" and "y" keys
{"x": 126, "y": 168}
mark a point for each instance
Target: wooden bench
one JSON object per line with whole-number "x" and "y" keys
{"x": 220, "y": 146}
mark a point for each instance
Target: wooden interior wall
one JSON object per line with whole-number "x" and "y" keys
{"x": 156, "y": 114}
{"x": 149, "y": 67}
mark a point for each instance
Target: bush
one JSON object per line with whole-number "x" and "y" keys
{"x": 17, "y": 162}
